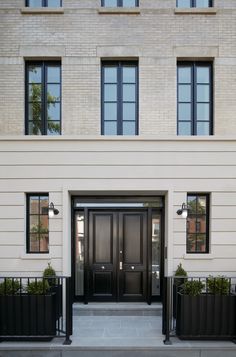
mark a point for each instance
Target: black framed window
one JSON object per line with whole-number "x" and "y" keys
{"x": 37, "y": 223}
{"x": 119, "y": 98}
{"x": 43, "y": 3}
{"x": 120, "y": 3}
{"x": 194, "y": 3}
{"x": 198, "y": 223}
{"x": 43, "y": 98}
{"x": 195, "y": 98}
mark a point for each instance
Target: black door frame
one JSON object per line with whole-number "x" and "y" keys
{"x": 103, "y": 199}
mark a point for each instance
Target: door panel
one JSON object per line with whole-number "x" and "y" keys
{"x": 133, "y": 256}
{"x": 102, "y": 255}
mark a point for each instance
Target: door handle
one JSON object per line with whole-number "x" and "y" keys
{"x": 103, "y": 267}
{"x": 132, "y": 267}
{"x": 121, "y": 266}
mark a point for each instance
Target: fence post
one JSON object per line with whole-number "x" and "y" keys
{"x": 167, "y": 301}
{"x": 68, "y": 312}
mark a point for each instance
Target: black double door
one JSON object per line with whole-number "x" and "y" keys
{"x": 117, "y": 259}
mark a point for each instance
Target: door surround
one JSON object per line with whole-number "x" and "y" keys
{"x": 150, "y": 204}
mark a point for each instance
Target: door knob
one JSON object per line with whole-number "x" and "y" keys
{"x": 103, "y": 267}
{"x": 132, "y": 267}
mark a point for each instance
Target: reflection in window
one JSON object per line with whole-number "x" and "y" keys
{"x": 198, "y": 224}
{"x": 119, "y": 98}
{"x": 37, "y": 223}
{"x": 44, "y": 3}
{"x": 156, "y": 240}
{"x": 193, "y": 3}
{"x": 79, "y": 254}
{"x": 43, "y": 97}
{"x": 194, "y": 98}
{"x": 119, "y": 3}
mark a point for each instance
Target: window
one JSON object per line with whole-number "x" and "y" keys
{"x": 193, "y": 3}
{"x": 198, "y": 223}
{"x": 194, "y": 98}
{"x": 43, "y": 98}
{"x": 37, "y": 223}
{"x": 44, "y": 3}
{"x": 120, "y": 3}
{"x": 120, "y": 98}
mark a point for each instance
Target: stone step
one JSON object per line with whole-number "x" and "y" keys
{"x": 117, "y": 309}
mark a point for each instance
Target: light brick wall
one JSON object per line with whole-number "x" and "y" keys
{"x": 81, "y": 36}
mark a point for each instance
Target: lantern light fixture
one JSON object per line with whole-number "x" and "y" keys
{"x": 52, "y": 211}
{"x": 183, "y": 211}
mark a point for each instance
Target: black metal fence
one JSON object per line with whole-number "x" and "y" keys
{"x": 35, "y": 308}
{"x": 202, "y": 308}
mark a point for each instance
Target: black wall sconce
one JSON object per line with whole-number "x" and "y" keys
{"x": 183, "y": 211}
{"x": 52, "y": 211}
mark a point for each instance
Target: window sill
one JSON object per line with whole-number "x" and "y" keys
{"x": 196, "y": 11}
{"x": 198, "y": 256}
{"x": 42, "y": 10}
{"x": 119, "y": 11}
{"x": 35, "y": 256}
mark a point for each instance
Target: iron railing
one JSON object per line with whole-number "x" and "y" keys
{"x": 35, "y": 308}
{"x": 212, "y": 290}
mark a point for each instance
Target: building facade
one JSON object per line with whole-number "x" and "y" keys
{"x": 117, "y": 112}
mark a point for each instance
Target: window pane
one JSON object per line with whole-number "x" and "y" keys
{"x": 35, "y": 74}
{"x": 110, "y": 3}
{"x": 185, "y": 111}
{"x": 191, "y": 243}
{"x": 201, "y": 224}
{"x": 44, "y": 205}
{"x": 34, "y": 224}
{"x": 43, "y": 225}
{"x": 34, "y": 112}
{"x": 192, "y": 204}
{"x": 110, "y": 128}
{"x": 156, "y": 253}
{"x": 203, "y": 94}
{"x": 43, "y": 242}
{"x": 184, "y": 93}
{"x": 53, "y": 128}
{"x": 184, "y": 74}
{"x": 35, "y": 92}
{"x": 129, "y": 111}
{"x": 201, "y": 243}
{"x": 201, "y": 205}
{"x": 53, "y": 111}
{"x": 203, "y": 128}
{"x": 53, "y": 75}
{"x": 34, "y": 204}
{"x": 129, "y": 74}
{"x": 203, "y": 111}
{"x": 110, "y": 74}
{"x": 184, "y": 3}
{"x": 184, "y": 128}
{"x": 203, "y": 75}
{"x": 34, "y": 128}
{"x": 54, "y": 3}
{"x": 110, "y": 92}
{"x": 53, "y": 92}
{"x": 202, "y": 3}
{"x": 128, "y": 128}
{"x": 129, "y": 3}
{"x": 129, "y": 92}
{"x": 79, "y": 251}
{"x": 110, "y": 111}
{"x": 35, "y": 3}
{"x": 191, "y": 225}
{"x": 34, "y": 242}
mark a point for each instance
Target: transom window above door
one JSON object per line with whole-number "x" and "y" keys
{"x": 194, "y": 3}
{"x": 195, "y": 98}
{"x": 44, "y": 3}
{"x": 43, "y": 98}
{"x": 119, "y": 98}
{"x": 120, "y": 3}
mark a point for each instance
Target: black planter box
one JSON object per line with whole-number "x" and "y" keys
{"x": 206, "y": 317}
{"x": 28, "y": 315}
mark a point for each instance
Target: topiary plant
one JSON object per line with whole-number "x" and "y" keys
{"x": 181, "y": 273}
{"x": 38, "y": 287}
{"x": 192, "y": 287}
{"x": 9, "y": 286}
{"x": 219, "y": 285}
{"x": 48, "y": 274}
